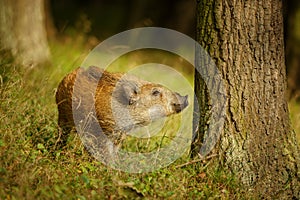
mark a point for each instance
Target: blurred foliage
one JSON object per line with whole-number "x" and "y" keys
{"x": 292, "y": 44}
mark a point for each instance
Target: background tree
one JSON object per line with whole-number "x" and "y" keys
{"x": 22, "y": 31}
{"x": 257, "y": 144}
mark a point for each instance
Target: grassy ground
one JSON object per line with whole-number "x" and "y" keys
{"x": 31, "y": 167}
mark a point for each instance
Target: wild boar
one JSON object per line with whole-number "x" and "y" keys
{"x": 121, "y": 102}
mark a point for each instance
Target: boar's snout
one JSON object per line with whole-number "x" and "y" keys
{"x": 182, "y": 102}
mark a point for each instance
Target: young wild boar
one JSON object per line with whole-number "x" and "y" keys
{"x": 121, "y": 102}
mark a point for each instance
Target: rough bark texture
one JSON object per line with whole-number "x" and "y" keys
{"x": 245, "y": 39}
{"x": 22, "y": 31}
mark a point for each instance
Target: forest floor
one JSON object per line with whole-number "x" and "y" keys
{"x": 32, "y": 168}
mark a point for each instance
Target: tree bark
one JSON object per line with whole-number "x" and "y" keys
{"x": 22, "y": 31}
{"x": 257, "y": 144}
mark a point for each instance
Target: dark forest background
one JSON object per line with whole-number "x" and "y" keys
{"x": 107, "y": 18}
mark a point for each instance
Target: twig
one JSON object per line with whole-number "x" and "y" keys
{"x": 195, "y": 161}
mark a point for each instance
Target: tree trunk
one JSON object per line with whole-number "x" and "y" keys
{"x": 22, "y": 31}
{"x": 245, "y": 39}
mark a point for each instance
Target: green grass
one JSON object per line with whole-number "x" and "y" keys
{"x": 32, "y": 168}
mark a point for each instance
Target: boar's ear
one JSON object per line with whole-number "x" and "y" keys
{"x": 127, "y": 93}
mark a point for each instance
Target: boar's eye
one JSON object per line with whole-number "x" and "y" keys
{"x": 155, "y": 92}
